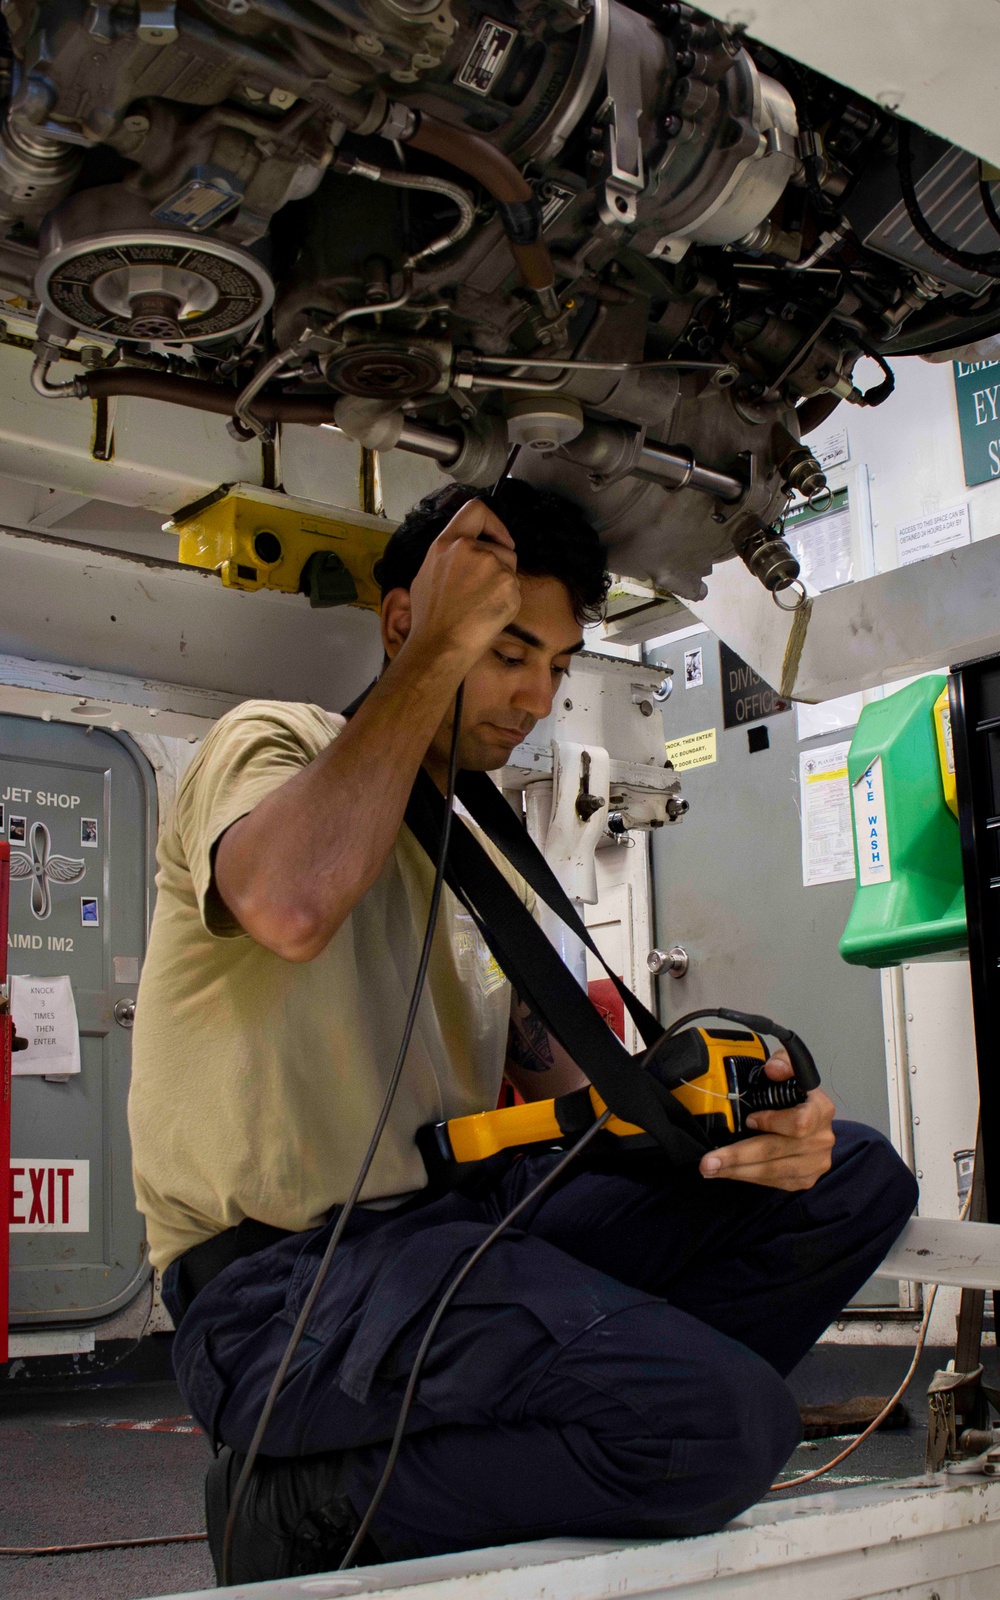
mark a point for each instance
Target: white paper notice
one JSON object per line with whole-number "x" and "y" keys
{"x": 946, "y": 530}
{"x": 827, "y": 844}
{"x": 830, "y": 716}
{"x": 871, "y": 827}
{"x": 823, "y": 549}
{"x": 45, "y": 1014}
{"x": 833, "y": 450}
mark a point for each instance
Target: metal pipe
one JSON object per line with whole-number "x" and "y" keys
{"x": 415, "y": 180}
{"x": 725, "y": 372}
{"x": 310, "y": 410}
{"x": 679, "y": 364}
{"x": 298, "y": 20}
{"x": 466, "y": 380}
{"x": 423, "y": 441}
{"x": 676, "y": 468}
{"x": 40, "y": 379}
{"x": 241, "y": 411}
{"x": 679, "y": 470}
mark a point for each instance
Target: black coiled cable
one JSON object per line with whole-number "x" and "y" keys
{"x": 769, "y": 1096}
{"x": 295, "y": 1337}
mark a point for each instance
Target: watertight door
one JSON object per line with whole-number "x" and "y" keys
{"x": 79, "y": 810}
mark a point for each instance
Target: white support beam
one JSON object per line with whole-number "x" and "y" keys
{"x": 58, "y": 503}
{"x": 165, "y": 456}
{"x": 138, "y": 618}
{"x": 943, "y": 1250}
{"x": 908, "y": 1540}
{"x": 896, "y": 625}
{"x": 56, "y": 693}
{"x": 936, "y": 64}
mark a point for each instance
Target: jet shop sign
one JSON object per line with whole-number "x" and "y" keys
{"x": 746, "y": 698}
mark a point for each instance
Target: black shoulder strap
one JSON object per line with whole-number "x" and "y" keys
{"x": 541, "y": 978}
{"x": 484, "y": 802}
{"x": 531, "y": 963}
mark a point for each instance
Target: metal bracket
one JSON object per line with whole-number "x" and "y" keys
{"x": 755, "y": 500}
{"x": 103, "y": 442}
{"x": 157, "y": 22}
{"x": 624, "y": 165}
{"x": 578, "y": 772}
{"x": 98, "y": 24}
{"x": 587, "y": 803}
{"x": 955, "y": 1402}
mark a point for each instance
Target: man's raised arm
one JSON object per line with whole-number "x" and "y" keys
{"x": 292, "y": 870}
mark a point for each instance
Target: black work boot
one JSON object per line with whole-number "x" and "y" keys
{"x": 293, "y": 1517}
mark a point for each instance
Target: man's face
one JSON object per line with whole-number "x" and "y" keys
{"x": 512, "y": 686}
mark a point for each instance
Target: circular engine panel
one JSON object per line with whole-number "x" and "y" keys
{"x": 155, "y": 285}
{"x": 383, "y": 371}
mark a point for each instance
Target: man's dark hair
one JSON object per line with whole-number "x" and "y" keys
{"x": 552, "y": 538}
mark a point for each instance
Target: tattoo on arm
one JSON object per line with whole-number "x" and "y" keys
{"x": 528, "y": 1044}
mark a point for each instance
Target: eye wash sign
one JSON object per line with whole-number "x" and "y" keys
{"x": 977, "y": 395}
{"x": 870, "y": 828}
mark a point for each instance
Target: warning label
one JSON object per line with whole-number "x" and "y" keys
{"x": 486, "y": 57}
{"x": 692, "y": 750}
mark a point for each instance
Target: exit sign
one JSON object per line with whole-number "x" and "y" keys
{"x": 49, "y": 1196}
{"x": 977, "y": 391}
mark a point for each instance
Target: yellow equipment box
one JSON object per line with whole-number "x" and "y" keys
{"x": 946, "y": 750}
{"x": 261, "y": 539}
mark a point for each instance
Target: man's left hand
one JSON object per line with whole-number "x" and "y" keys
{"x": 794, "y": 1147}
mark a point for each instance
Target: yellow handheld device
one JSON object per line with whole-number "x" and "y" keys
{"x": 716, "y": 1074}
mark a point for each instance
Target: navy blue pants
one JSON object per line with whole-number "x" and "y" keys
{"x": 612, "y": 1368}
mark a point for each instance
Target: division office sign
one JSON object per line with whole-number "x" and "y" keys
{"x": 746, "y": 698}
{"x": 977, "y": 394}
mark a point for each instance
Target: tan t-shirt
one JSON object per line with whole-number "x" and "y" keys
{"x": 256, "y": 1082}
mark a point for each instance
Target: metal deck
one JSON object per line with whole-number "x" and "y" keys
{"x": 120, "y": 1460}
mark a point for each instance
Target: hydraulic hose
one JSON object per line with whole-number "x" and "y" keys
{"x": 516, "y": 201}
{"x": 415, "y": 180}
{"x": 201, "y": 396}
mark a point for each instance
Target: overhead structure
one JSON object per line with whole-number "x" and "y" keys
{"x": 650, "y": 249}
{"x": 930, "y": 63}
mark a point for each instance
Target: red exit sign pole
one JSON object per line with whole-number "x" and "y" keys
{"x": 5, "y": 1047}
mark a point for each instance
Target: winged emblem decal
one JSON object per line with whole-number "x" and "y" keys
{"x": 44, "y": 869}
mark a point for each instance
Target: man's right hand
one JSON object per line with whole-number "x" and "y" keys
{"x": 466, "y": 591}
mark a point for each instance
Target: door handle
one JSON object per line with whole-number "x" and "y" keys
{"x": 674, "y": 961}
{"x": 125, "y": 1013}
